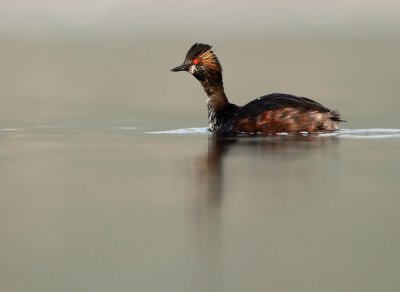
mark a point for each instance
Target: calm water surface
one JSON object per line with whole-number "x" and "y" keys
{"x": 118, "y": 209}
{"x": 100, "y": 189}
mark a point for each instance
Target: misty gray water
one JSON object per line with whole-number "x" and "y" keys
{"x": 106, "y": 209}
{"x": 111, "y": 182}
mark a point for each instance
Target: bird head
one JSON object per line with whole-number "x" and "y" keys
{"x": 201, "y": 62}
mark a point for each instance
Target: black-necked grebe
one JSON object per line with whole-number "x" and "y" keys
{"x": 269, "y": 114}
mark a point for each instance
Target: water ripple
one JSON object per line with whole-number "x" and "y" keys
{"x": 182, "y": 131}
{"x": 374, "y": 133}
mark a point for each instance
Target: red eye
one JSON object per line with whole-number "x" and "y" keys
{"x": 195, "y": 61}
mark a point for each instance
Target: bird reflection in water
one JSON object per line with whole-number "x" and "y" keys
{"x": 260, "y": 154}
{"x": 210, "y": 167}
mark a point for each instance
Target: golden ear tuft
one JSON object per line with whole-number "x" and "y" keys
{"x": 210, "y": 60}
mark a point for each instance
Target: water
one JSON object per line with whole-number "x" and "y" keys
{"x": 109, "y": 183}
{"x": 343, "y": 133}
{"x": 116, "y": 207}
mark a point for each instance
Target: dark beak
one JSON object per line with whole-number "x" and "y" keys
{"x": 179, "y": 68}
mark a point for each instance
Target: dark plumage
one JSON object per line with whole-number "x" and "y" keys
{"x": 196, "y": 50}
{"x": 269, "y": 114}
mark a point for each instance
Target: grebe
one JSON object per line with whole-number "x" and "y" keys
{"x": 270, "y": 114}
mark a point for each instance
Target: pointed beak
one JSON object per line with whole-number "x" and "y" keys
{"x": 179, "y": 68}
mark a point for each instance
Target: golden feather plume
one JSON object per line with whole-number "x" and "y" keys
{"x": 210, "y": 60}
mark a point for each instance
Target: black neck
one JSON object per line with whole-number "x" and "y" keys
{"x": 216, "y": 98}
{"x": 214, "y": 88}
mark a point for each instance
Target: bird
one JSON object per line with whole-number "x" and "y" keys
{"x": 270, "y": 114}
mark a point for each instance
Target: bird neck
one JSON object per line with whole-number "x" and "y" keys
{"x": 214, "y": 89}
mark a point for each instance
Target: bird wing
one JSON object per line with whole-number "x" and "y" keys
{"x": 277, "y": 101}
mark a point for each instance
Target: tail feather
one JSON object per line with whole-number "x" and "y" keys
{"x": 335, "y": 116}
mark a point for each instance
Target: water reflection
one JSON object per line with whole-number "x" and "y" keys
{"x": 210, "y": 167}
{"x": 239, "y": 166}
